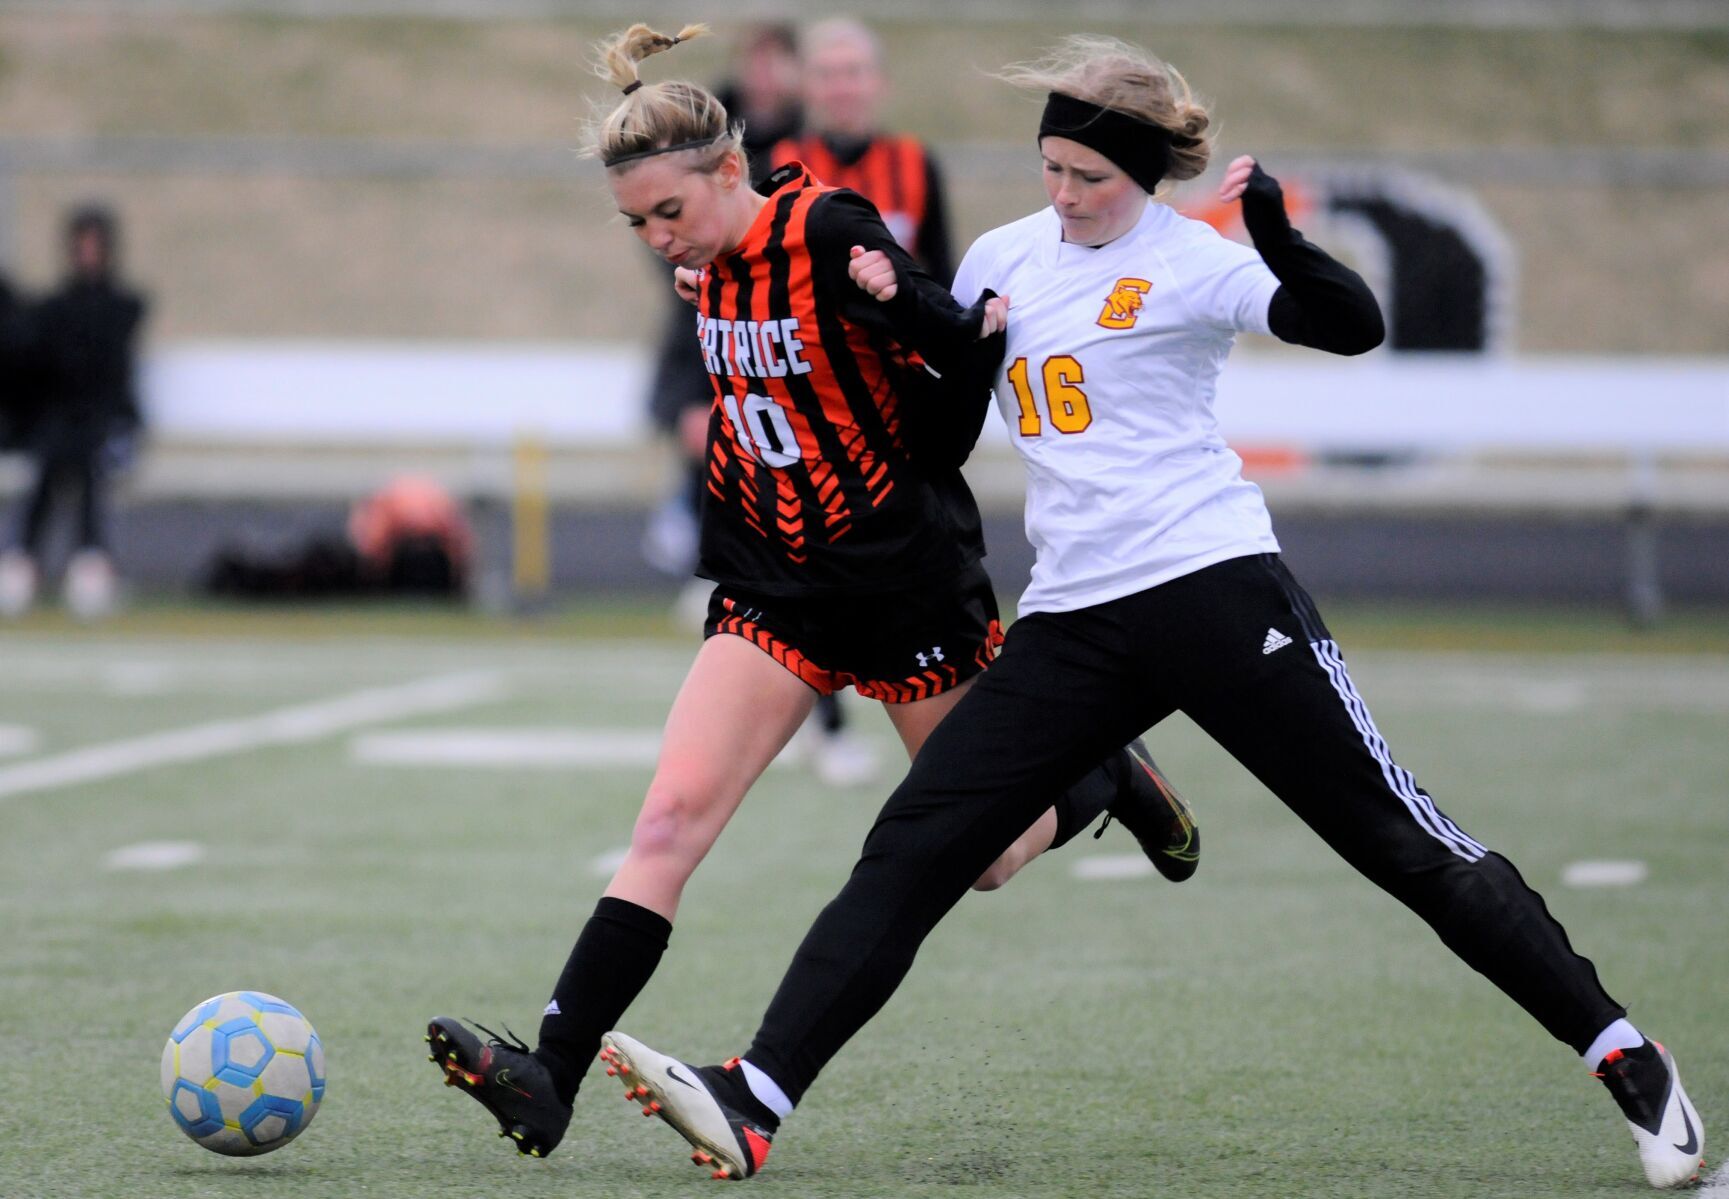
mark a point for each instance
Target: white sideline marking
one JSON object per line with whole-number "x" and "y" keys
{"x": 1603, "y": 874}
{"x": 154, "y": 855}
{"x": 1714, "y": 1186}
{"x": 511, "y": 748}
{"x": 1104, "y": 867}
{"x": 138, "y": 678}
{"x": 607, "y": 864}
{"x": 1556, "y": 697}
{"x": 285, "y": 726}
{"x": 16, "y": 739}
{"x": 550, "y": 748}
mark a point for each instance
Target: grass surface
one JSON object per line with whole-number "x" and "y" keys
{"x": 1273, "y": 1028}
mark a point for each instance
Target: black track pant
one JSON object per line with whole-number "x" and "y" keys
{"x": 1071, "y": 687}
{"x": 60, "y": 473}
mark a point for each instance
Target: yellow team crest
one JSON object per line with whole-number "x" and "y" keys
{"x": 1123, "y": 305}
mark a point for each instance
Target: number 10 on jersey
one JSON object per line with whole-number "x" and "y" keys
{"x": 1064, "y": 400}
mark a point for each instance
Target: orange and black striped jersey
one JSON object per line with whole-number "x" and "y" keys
{"x": 893, "y": 172}
{"x": 823, "y": 472}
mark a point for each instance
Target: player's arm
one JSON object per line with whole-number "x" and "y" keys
{"x": 963, "y": 346}
{"x": 917, "y": 310}
{"x": 1320, "y": 302}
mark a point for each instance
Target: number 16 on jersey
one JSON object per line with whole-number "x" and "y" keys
{"x": 1064, "y": 400}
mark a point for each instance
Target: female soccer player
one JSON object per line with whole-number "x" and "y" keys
{"x": 843, "y": 541}
{"x": 1158, "y": 588}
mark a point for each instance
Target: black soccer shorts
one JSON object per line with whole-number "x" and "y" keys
{"x": 896, "y": 646}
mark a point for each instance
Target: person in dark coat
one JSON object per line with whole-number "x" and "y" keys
{"x": 18, "y": 395}
{"x": 85, "y": 336}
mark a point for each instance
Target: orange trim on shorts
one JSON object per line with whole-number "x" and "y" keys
{"x": 926, "y": 684}
{"x": 826, "y": 682}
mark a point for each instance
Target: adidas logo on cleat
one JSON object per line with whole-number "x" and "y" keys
{"x": 1275, "y": 640}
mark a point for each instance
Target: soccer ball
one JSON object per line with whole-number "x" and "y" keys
{"x": 243, "y": 1073}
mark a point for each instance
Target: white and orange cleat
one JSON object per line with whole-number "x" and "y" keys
{"x": 694, "y": 1100}
{"x": 1665, "y": 1125}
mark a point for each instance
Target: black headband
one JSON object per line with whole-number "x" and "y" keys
{"x": 698, "y": 144}
{"x": 1140, "y": 148}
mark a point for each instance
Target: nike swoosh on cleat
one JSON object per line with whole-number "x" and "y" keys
{"x": 1692, "y": 1145}
{"x": 672, "y": 1073}
{"x": 502, "y": 1078}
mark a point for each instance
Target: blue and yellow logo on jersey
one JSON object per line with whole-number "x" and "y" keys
{"x": 1123, "y": 305}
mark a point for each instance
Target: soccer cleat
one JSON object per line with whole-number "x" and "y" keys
{"x": 1665, "y": 1126}
{"x": 506, "y": 1079}
{"x": 1161, "y": 819}
{"x": 720, "y": 1136}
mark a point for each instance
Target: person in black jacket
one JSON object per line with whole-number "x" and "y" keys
{"x": 17, "y": 396}
{"x": 85, "y": 337}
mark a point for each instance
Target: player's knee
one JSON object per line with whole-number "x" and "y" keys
{"x": 995, "y": 875}
{"x": 668, "y": 822}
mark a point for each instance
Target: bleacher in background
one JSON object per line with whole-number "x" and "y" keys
{"x": 372, "y": 248}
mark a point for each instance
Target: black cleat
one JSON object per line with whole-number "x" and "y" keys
{"x": 504, "y": 1078}
{"x": 1161, "y": 820}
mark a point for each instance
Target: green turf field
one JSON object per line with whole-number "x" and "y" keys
{"x": 1274, "y": 1028}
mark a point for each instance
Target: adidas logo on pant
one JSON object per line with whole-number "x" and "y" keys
{"x": 1275, "y": 640}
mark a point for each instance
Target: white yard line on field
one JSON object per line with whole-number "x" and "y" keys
{"x": 154, "y": 855}
{"x": 1604, "y": 874}
{"x": 518, "y": 748}
{"x": 606, "y": 865}
{"x": 1108, "y": 867}
{"x": 284, "y": 726}
{"x": 521, "y": 748}
{"x": 16, "y": 739}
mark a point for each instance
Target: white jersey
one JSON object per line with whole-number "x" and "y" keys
{"x": 1107, "y": 388}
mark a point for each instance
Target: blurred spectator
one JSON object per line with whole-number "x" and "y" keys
{"x": 844, "y": 145}
{"x": 84, "y": 343}
{"x": 763, "y": 92}
{"x": 17, "y": 392}
{"x": 408, "y": 539}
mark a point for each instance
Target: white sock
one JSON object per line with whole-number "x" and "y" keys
{"x": 1619, "y": 1035}
{"x": 767, "y": 1091}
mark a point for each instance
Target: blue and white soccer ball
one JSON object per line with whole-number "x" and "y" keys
{"x": 243, "y": 1073}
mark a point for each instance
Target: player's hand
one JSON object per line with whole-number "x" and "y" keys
{"x": 685, "y": 282}
{"x": 872, "y": 271}
{"x": 996, "y": 316}
{"x": 1236, "y": 178}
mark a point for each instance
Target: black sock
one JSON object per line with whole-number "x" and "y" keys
{"x": 1084, "y": 802}
{"x": 608, "y": 967}
{"x": 735, "y": 1092}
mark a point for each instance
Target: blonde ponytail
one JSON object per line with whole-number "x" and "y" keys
{"x": 659, "y": 118}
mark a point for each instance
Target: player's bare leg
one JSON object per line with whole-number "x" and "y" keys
{"x": 736, "y": 710}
